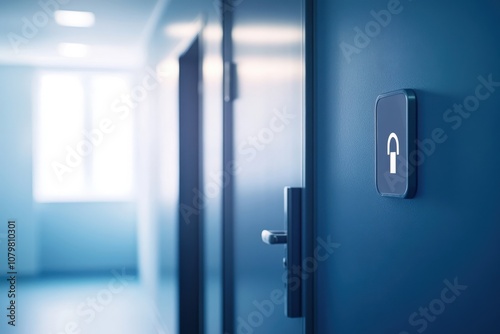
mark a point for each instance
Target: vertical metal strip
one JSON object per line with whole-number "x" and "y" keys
{"x": 293, "y": 226}
{"x": 228, "y": 322}
{"x": 309, "y": 222}
{"x": 201, "y": 183}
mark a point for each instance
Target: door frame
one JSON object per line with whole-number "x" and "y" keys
{"x": 191, "y": 265}
{"x": 309, "y": 168}
{"x": 228, "y": 290}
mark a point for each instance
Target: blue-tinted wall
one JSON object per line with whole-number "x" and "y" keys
{"x": 53, "y": 237}
{"x": 86, "y": 237}
{"x": 16, "y": 160}
{"x": 396, "y": 254}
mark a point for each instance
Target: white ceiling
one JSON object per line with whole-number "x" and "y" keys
{"x": 117, "y": 40}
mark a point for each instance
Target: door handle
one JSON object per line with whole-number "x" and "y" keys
{"x": 274, "y": 237}
{"x": 291, "y": 238}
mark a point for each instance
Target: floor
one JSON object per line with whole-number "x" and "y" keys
{"x": 110, "y": 303}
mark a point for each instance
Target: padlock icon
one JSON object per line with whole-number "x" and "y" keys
{"x": 392, "y": 155}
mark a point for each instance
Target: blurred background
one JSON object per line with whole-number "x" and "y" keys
{"x": 118, "y": 164}
{"x": 79, "y": 82}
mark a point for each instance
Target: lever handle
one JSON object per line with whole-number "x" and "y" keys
{"x": 291, "y": 239}
{"x": 274, "y": 237}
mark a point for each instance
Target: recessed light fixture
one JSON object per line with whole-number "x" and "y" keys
{"x": 73, "y": 50}
{"x": 69, "y": 18}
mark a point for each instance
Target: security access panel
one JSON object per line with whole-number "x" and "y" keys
{"x": 395, "y": 144}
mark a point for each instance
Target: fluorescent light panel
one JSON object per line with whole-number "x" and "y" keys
{"x": 69, "y": 18}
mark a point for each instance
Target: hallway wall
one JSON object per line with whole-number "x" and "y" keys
{"x": 53, "y": 237}
{"x": 15, "y": 174}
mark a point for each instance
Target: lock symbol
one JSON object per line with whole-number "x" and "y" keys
{"x": 392, "y": 154}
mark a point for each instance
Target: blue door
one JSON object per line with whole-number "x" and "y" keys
{"x": 427, "y": 264}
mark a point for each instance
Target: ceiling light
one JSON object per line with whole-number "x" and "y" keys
{"x": 73, "y": 50}
{"x": 70, "y": 18}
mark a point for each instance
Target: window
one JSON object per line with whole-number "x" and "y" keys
{"x": 83, "y": 151}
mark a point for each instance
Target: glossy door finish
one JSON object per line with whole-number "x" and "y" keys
{"x": 427, "y": 264}
{"x": 267, "y": 124}
{"x": 263, "y": 128}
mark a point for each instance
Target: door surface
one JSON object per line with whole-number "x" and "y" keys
{"x": 427, "y": 264}
{"x": 267, "y": 138}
